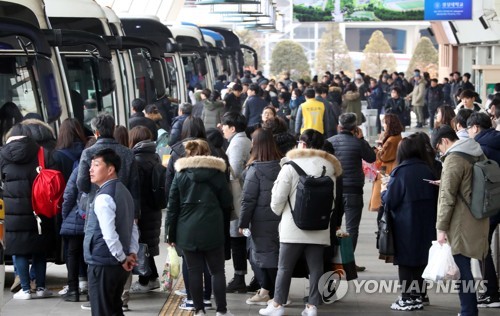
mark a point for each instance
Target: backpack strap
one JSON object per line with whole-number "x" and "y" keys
{"x": 41, "y": 158}
{"x": 472, "y": 161}
{"x": 300, "y": 171}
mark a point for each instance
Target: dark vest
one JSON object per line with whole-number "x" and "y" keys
{"x": 96, "y": 251}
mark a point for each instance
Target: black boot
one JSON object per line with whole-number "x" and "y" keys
{"x": 237, "y": 284}
{"x": 72, "y": 296}
{"x": 254, "y": 285}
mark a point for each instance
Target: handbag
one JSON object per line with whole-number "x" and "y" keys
{"x": 344, "y": 258}
{"x": 142, "y": 268}
{"x": 385, "y": 238}
{"x": 236, "y": 192}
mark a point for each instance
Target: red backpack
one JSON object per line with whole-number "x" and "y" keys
{"x": 48, "y": 189}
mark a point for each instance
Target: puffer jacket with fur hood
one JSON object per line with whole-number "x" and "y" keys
{"x": 312, "y": 162}
{"x": 199, "y": 196}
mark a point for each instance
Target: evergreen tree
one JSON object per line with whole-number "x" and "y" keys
{"x": 378, "y": 56}
{"x": 425, "y": 57}
{"x": 289, "y": 56}
{"x": 333, "y": 54}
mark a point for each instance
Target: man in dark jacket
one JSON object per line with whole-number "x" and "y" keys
{"x": 111, "y": 236}
{"x": 139, "y": 119}
{"x": 103, "y": 126}
{"x": 175, "y": 134}
{"x": 433, "y": 99}
{"x": 456, "y": 88}
{"x": 376, "y": 98}
{"x": 480, "y": 128}
{"x": 254, "y": 105}
{"x": 351, "y": 148}
{"x": 332, "y": 117}
{"x": 232, "y": 100}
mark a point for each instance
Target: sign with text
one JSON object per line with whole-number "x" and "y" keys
{"x": 381, "y": 10}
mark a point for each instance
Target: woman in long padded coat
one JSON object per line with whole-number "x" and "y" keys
{"x": 256, "y": 212}
{"x": 150, "y": 222}
{"x": 23, "y": 237}
{"x": 412, "y": 203}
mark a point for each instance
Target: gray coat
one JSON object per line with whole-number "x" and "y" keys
{"x": 128, "y": 173}
{"x": 256, "y": 213}
{"x": 238, "y": 153}
{"x": 212, "y": 113}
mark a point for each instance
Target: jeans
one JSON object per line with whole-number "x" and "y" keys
{"x": 215, "y": 261}
{"x": 468, "y": 301}
{"x": 419, "y": 112}
{"x": 32, "y": 270}
{"x": 490, "y": 275}
{"x": 239, "y": 254}
{"x": 39, "y": 265}
{"x": 289, "y": 254}
{"x": 411, "y": 281}
{"x": 353, "y": 208}
{"x": 432, "y": 114}
{"x": 74, "y": 260}
{"x": 267, "y": 278}
{"x": 207, "y": 280}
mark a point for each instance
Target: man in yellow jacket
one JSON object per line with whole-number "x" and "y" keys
{"x": 311, "y": 114}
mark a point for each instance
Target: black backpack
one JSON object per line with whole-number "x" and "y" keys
{"x": 313, "y": 200}
{"x": 158, "y": 179}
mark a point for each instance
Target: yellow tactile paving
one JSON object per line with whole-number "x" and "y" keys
{"x": 171, "y": 306}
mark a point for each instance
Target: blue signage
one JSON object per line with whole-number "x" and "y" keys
{"x": 448, "y": 10}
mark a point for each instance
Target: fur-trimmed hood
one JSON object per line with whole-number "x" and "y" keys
{"x": 200, "y": 162}
{"x": 351, "y": 95}
{"x": 305, "y": 153}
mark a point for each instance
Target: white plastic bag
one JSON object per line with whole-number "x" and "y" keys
{"x": 476, "y": 269}
{"x": 441, "y": 265}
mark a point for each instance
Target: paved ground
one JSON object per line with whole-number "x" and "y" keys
{"x": 369, "y": 302}
{"x": 352, "y": 304}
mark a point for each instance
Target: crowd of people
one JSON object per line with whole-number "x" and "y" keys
{"x": 230, "y": 188}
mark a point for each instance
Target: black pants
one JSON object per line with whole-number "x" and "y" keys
{"x": 239, "y": 253}
{"x": 267, "y": 278}
{"x": 215, "y": 261}
{"x": 207, "y": 281}
{"x": 106, "y": 285}
{"x": 144, "y": 280}
{"x": 74, "y": 260}
{"x": 411, "y": 281}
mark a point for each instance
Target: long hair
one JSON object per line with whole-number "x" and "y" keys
{"x": 412, "y": 146}
{"x": 193, "y": 127}
{"x": 394, "y": 126}
{"x": 120, "y": 134}
{"x": 138, "y": 134}
{"x": 10, "y": 115}
{"x": 263, "y": 147}
{"x": 71, "y": 130}
{"x": 447, "y": 116}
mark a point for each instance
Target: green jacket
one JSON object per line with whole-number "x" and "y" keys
{"x": 467, "y": 235}
{"x": 199, "y": 196}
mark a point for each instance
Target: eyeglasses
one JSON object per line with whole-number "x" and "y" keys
{"x": 437, "y": 145}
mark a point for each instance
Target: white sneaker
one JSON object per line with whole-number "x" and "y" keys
{"x": 83, "y": 286}
{"x": 43, "y": 292}
{"x": 310, "y": 311}
{"x": 138, "y": 288}
{"x": 271, "y": 310}
{"x": 22, "y": 295}
{"x": 227, "y": 313}
{"x": 180, "y": 292}
{"x": 86, "y": 306}
{"x": 64, "y": 290}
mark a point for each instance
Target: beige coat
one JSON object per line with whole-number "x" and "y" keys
{"x": 418, "y": 94}
{"x": 352, "y": 104}
{"x": 467, "y": 235}
{"x": 387, "y": 155}
{"x": 312, "y": 162}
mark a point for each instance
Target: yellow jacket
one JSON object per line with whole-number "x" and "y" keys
{"x": 311, "y": 115}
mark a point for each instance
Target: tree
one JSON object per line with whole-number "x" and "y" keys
{"x": 425, "y": 57}
{"x": 378, "y": 56}
{"x": 333, "y": 54}
{"x": 289, "y": 56}
{"x": 253, "y": 39}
